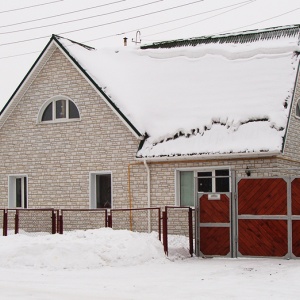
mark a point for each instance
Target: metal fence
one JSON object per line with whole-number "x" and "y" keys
{"x": 173, "y": 220}
{"x": 81, "y": 219}
{"x": 136, "y": 219}
{"x": 29, "y": 221}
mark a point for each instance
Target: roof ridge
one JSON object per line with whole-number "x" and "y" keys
{"x": 58, "y": 37}
{"x": 233, "y": 37}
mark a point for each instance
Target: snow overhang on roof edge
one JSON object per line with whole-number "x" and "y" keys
{"x": 212, "y": 156}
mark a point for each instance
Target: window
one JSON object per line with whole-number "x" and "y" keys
{"x": 208, "y": 181}
{"x": 17, "y": 191}
{"x": 58, "y": 109}
{"x": 298, "y": 109}
{"x": 100, "y": 190}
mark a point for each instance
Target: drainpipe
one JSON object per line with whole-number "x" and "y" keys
{"x": 148, "y": 194}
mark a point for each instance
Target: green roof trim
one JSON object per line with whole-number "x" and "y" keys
{"x": 235, "y": 37}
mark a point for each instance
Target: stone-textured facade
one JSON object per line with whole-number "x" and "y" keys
{"x": 59, "y": 157}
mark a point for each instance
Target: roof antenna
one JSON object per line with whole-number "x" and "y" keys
{"x": 125, "y": 41}
{"x": 138, "y": 39}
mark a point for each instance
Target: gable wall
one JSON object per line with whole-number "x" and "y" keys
{"x": 58, "y": 157}
{"x": 292, "y": 147}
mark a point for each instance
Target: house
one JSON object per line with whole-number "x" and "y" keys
{"x": 128, "y": 128}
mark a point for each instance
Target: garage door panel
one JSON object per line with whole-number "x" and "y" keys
{"x": 215, "y": 240}
{"x": 214, "y": 211}
{"x": 262, "y": 237}
{"x": 262, "y": 196}
{"x": 296, "y": 196}
{"x": 296, "y": 238}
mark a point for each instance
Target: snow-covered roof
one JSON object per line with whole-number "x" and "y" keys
{"x": 208, "y": 99}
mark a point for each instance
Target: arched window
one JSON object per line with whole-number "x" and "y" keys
{"x": 298, "y": 109}
{"x": 57, "y": 109}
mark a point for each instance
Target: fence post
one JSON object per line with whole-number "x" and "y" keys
{"x": 4, "y": 222}
{"x": 165, "y": 230}
{"x": 53, "y": 222}
{"x": 159, "y": 224}
{"x": 109, "y": 220}
{"x": 17, "y": 222}
{"x": 191, "y": 231}
{"x": 61, "y": 223}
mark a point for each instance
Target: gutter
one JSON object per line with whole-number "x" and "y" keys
{"x": 206, "y": 157}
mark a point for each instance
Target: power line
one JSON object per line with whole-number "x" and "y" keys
{"x": 22, "y": 54}
{"x": 64, "y": 14}
{"x": 166, "y": 22}
{"x": 288, "y": 12}
{"x": 247, "y": 3}
{"x": 20, "y": 8}
{"x": 134, "y": 30}
{"x": 85, "y": 18}
{"x": 104, "y": 24}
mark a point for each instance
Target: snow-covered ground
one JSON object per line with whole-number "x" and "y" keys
{"x": 108, "y": 264}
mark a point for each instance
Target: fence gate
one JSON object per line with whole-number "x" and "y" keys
{"x": 213, "y": 224}
{"x": 268, "y": 217}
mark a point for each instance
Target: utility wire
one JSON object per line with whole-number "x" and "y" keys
{"x": 288, "y": 12}
{"x": 64, "y": 14}
{"x": 179, "y": 27}
{"x": 104, "y": 24}
{"x": 20, "y": 8}
{"x": 134, "y": 30}
{"x": 166, "y": 22}
{"x": 21, "y": 54}
{"x": 85, "y": 18}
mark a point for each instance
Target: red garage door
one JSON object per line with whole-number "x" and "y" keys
{"x": 262, "y": 217}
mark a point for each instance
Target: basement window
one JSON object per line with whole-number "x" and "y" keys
{"x": 58, "y": 109}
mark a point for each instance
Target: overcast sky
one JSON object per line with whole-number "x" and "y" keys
{"x": 26, "y": 26}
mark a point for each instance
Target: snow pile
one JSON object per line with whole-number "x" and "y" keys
{"x": 188, "y": 91}
{"x": 89, "y": 249}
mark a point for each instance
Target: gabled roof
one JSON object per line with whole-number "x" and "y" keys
{"x": 229, "y": 96}
{"x": 51, "y": 46}
{"x": 224, "y": 95}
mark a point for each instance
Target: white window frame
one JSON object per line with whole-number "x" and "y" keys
{"x": 54, "y": 119}
{"x": 196, "y": 170}
{"x": 92, "y": 187}
{"x": 12, "y": 201}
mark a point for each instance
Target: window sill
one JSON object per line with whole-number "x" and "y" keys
{"x": 59, "y": 121}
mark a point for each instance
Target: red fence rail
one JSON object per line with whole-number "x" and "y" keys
{"x": 80, "y": 219}
{"x": 136, "y": 219}
{"x": 30, "y": 220}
